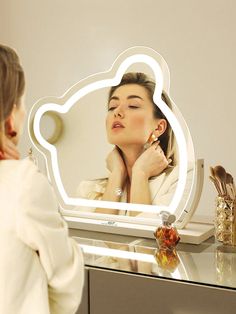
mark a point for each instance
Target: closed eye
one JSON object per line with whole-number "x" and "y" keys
{"x": 111, "y": 108}
{"x": 133, "y": 107}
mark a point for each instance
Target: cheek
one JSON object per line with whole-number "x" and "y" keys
{"x": 142, "y": 124}
{"x": 22, "y": 117}
{"x": 138, "y": 121}
{"x": 107, "y": 122}
{"x": 23, "y": 114}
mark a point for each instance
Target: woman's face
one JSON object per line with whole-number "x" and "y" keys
{"x": 130, "y": 119}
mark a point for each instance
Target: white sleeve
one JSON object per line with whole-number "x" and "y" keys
{"x": 165, "y": 193}
{"x": 83, "y": 191}
{"x": 91, "y": 190}
{"x": 41, "y": 227}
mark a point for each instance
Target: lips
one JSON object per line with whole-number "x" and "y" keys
{"x": 117, "y": 125}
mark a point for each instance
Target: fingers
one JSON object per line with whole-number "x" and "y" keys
{"x": 1, "y": 155}
{"x": 160, "y": 151}
{"x": 162, "y": 156}
{"x": 12, "y": 151}
{"x": 11, "y": 156}
{"x": 169, "y": 161}
{"x": 157, "y": 143}
{"x": 154, "y": 145}
{"x": 149, "y": 144}
{"x": 6, "y": 155}
{"x": 9, "y": 151}
{"x": 158, "y": 147}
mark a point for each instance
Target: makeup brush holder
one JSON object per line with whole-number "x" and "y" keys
{"x": 225, "y": 221}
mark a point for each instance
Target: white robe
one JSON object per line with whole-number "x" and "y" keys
{"x": 162, "y": 189}
{"x": 41, "y": 268}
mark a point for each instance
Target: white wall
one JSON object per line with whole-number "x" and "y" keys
{"x": 61, "y": 42}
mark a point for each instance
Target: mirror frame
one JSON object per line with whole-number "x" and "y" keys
{"x": 92, "y": 83}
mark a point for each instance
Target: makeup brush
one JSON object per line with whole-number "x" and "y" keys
{"x": 220, "y": 174}
{"x": 230, "y": 182}
{"x": 216, "y": 182}
{"x": 216, "y": 185}
{"x": 229, "y": 187}
{"x": 233, "y": 185}
{"x": 212, "y": 172}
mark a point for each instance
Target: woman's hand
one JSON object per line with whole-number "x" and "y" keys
{"x": 115, "y": 162}
{"x": 116, "y": 180}
{"x": 9, "y": 150}
{"x": 151, "y": 162}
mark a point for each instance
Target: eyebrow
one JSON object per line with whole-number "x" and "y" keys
{"x": 129, "y": 97}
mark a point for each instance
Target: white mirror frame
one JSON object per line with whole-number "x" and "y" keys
{"x": 62, "y": 105}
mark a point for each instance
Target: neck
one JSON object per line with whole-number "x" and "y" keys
{"x": 130, "y": 155}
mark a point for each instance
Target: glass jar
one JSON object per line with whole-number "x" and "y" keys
{"x": 225, "y": 220}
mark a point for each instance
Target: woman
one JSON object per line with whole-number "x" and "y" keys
{"x": 139, "y": 173}
{"x": 41, "y": 268}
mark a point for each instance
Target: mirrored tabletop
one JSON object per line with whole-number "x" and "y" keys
{"x": 209, "y": 263}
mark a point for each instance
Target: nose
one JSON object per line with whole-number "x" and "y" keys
{"x": 118, "y": 112}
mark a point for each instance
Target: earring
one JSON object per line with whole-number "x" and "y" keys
{"x": 12, "y": 133}
{"x": 152, "y": 138}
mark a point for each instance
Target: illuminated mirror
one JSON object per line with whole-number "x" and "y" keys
{"x": 77, "y": 147}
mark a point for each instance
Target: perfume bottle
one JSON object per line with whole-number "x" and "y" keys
{"x": 167, "y": 259}
{"x": 166, "y": 235}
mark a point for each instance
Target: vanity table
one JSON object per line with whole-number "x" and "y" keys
{"x": 126, "y": 274}
{"x": 123, "y": 276}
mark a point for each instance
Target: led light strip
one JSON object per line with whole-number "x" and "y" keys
{"x": 181, "y": 142}
{"x": 89, "y": 249}
{"x": 142, "y": 257}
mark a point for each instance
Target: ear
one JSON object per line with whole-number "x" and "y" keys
{"x": 9, "y": 123}
{"x": 161, "y": 126}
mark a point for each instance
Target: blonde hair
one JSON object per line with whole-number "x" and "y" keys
{"x": 167, "y": 139}
{"x": 12, "y": 84}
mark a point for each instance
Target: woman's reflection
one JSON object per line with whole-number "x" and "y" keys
{"x": 142, "y": 164}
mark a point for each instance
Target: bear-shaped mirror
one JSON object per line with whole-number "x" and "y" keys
{"x": 117, "y": 147}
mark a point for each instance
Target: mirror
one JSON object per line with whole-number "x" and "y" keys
{"x": 76, "y": 159}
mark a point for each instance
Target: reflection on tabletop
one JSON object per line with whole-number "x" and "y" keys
{"x": 133, "y": 257}
{"x": 167, "y": 260}
{"x": 207, "y": 263}
{"x": 225, "y": 265}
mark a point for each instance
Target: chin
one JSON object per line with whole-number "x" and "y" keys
{"x": 114, "y": 140}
